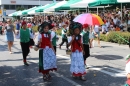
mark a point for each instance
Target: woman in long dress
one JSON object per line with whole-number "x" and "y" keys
{"x": 47, "y": 57}
{"x": 77, "y": 67}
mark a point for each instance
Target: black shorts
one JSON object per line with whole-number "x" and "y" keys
{"x": 31, "y": 42}
{"x": 54, "y": 48}
{"x": 86, "y": 50}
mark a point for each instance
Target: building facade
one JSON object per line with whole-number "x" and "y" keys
{"x": 10, "y": 6}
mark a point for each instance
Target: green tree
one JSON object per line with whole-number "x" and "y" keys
{"x": 20, "y": 8}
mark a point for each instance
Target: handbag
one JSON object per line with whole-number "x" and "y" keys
{"x": 36, "y": 47}
{"x": 68, "y": 52}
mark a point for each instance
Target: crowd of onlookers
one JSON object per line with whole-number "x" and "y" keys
{"x": 112, "y": 21}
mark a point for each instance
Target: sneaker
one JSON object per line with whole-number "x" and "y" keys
{"x": 59, "y": 46}
{"x": 86, "y": 67}
{"x": 25, "y": 63}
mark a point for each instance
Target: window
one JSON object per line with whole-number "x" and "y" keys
{"x": 25, "y": 6}
{"x": 17, "y": 6}
{"x": 29, "y": 6}
{"x": 6, "y": 7}
{"x": 12, "y": 7}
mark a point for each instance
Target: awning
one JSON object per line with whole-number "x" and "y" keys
{"x": 55, "y": 6}
{"x": 82, "y": 4}
{"x": 14, "y": 14}
{"x": 43, "y": 8}
{"x": 123, "y": 1}
{"x": 67, "y": 5}
{"x": 102, "y": 3}
{"x": 40, "y": 7}
{"x": 25, "y": 12}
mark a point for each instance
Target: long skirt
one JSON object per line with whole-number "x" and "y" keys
{"x": 77, "y": 67}
{"x": 47, "y": 60}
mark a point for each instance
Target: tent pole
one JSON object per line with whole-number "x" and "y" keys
{"x": 97, "y": 10}
{"x": 121, "y": 12}
{"x": 86, "y": 10}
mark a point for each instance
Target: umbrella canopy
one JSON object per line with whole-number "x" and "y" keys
{"x": 25, "y": 12}
{"x": 14, "y": 14}
{"x": 102, "y": 3}
{"x": 33, "y": 11}
{"x": 87, "y": 18}
{"x": 67, "y": 5}
{"x": 42, "y": 9}
{"x": 123, "y": 1}
{"x": 82, "y": 4}
{"x": 55, "y": 6}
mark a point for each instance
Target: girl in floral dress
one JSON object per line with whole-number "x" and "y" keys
{"x": 47, "y": 57}
{"x": 77, "y": 67}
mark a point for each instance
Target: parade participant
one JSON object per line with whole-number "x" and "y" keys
{"x": 9, "y": 37}
{"x": 85, "y": 36}
{"x": 47, "y": 57}
{"x": 1, "y": 32}
{"x": 64, "y": 36}
{"x": 54, "y": 36}
{"x": 31, "y": 42}
{"x": 24, "y": 36}
{"x": 127, "y": 69}
{"x": 77, "y": 67}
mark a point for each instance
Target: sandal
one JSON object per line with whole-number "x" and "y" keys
{"x": 49, "y": 76}
{"x": 82, "y": 78}
{"x": 45, "y": 77}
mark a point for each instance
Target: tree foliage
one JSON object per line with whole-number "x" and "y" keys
{"x": 20, "y": 8}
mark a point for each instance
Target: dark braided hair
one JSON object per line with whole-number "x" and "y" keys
{"x": 73, "y": 26}
{"x": 43, "y": 25}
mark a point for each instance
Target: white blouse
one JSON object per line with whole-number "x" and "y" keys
{"x": 40, "y": 36}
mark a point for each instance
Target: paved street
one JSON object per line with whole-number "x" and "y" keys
{"x": 106, "y": 64}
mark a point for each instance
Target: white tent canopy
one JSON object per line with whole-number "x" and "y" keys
{"x": 81, "y": 4}
{"x": 123, "y": 1}
{"x": 21, "y": 13}
{"x": 55, "y": 6}
{"x": 33, "y": 11}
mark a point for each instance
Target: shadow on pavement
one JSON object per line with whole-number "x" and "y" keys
{"x": 101, "y": 79}
{"x": 3, "y": 48}
{"x": 107, "y": 57}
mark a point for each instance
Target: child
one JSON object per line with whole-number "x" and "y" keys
{"x": 85, "y": 36}
{"x": 47, "y": 57}
{"x": 24, "y": 35}
{"x": 77, "y": 62}
{"x": 64, "y": 36}
{"x": 54, "y": 36}
{"x": 31, "y": 42}
{"x": 127, "y": 69}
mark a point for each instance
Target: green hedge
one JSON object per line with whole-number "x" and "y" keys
{"x": 116, "y": 37}
{"x": 113, "y": 36}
